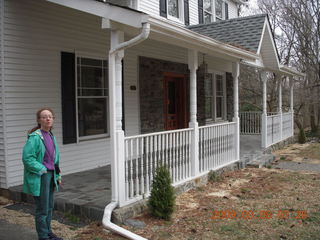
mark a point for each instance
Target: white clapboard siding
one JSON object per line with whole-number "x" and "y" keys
{"x": 232, "y": 9}
{"x": 35, "y": 34}
{"x": 3, "y": 182}
{"x": 193, "y": 12}
{"x": 152, "y": 7}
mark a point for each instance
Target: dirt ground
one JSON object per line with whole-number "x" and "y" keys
{"x": 264, "y": 203}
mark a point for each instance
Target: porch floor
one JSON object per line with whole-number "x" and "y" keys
{"x": 87, "y": 193}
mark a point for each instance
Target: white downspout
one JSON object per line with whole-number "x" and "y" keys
{"x": 106, "y": 220}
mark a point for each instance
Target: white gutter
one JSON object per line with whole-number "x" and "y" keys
{"x": 114, "y": 72}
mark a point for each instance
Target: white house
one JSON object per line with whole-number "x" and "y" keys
{"x": 169, "y": 95}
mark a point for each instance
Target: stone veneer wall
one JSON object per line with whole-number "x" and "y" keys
{"x": 201, "y": 101}
{"x": 229, "y": 86}
{"x": 151, "y": 75}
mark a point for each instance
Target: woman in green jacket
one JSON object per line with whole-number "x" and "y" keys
{"x": 41, "y": 171}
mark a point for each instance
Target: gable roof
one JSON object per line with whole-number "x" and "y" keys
{"x": 244, "y": 32}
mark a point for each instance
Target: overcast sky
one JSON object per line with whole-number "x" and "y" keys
{"x": 251, "y": 9}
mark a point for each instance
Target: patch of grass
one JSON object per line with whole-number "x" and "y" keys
{"x": 72, "y": 218}
{"x": 245, "y": 190}
{"x": 283, "y": 158}
{"x": 268, "y": 196}
{"x": 312, "y": 151}
{"x": 214, "y": 177}
{"x": 313, "y": 217}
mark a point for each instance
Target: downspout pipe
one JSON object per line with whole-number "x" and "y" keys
{"x": 106, "y": 220}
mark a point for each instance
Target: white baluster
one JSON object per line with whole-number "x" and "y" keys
{"x": 127, "y": 170}
{"x": 131, "y": 168}
{"x": 147, "y": 165}
{"x": 137, "y": 166}
{"x": 142, "y": 166}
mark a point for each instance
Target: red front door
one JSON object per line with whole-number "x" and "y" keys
{"x": 174, "y": 101}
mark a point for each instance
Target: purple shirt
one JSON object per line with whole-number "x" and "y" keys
{"x": 48, "y": 160}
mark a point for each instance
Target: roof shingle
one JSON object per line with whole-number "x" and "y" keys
{"x": 243, "y": 32}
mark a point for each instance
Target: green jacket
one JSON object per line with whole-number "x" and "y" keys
{"x": 32, "y": 157}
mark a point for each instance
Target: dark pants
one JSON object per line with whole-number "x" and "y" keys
{"x": 44, "y": 205}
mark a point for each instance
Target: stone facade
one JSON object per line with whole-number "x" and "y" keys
{"x": 229, "y": 86}
{"x": 151, "y": 76}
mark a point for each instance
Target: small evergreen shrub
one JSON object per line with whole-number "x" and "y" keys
{"x": 162, "y": 198}
{"x": 213, "y": 176}
{"x": 302, "y": 136}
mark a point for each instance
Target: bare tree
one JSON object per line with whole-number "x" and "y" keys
{"x": 296, "y": 28}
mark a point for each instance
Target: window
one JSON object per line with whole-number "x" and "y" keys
{"x": 212, "y": 10}
{"x": 215, "y": 96}
{"x": 92, "y": 97}
{"x": 218, "y": 9}
{"x": 84, "y": 93}
{"x": 207, "y": 10}
{"x": 173, "y": 8}
{"x": 177, "y": 10}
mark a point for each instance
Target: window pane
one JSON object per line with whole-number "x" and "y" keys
{"x": 207, "y": 17}
{"x": 91, "y": 77}
{"x": 219, "y": 85}
{"x": 91, "y": 92}
{"x": 91, "y": 62}
{"x": 92, "y": 113}
{"x": 207, "y": 5}
{"x": 218, "y": 8}
{"x": 173, "y": 8}
{"x": 208, "y": 108}
{"x": 208, "y": 85}
{"x": 219, "y": 106}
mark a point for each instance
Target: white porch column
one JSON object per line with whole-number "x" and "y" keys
{"x": 116, "y": 132}
{"x": 291, "y": 104}
{"x": 264, "y": 131}
{"x": 235, "y": 75}
{"x": 193, "y": 66}
{"x": 278, "y": 77}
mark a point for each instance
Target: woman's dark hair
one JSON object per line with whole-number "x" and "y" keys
{"x": 38, "y": 117}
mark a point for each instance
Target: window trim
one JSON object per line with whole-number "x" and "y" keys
{"x": 214, "y": 117}
{"x": 214, "y": 17}
{"x": 96, "y": 136}
{"x": 181, "y": 17}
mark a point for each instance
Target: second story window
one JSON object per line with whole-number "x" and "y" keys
{"x": 173, "y": 8}
{"x": 207, "y": 10}
{"x": 212, "y": 10}
{"x": 218, "y": 9}
{"x": 176, "y": 10}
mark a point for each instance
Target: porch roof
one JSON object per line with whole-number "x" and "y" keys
{"x": 244, "y": 32}
{"x": 252, "y": 33}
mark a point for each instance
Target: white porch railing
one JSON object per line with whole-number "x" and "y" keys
{"x": 279, "y": 127}
{"x": 143, "y": 153}
{"x": 217, "y": 146}
{"x": 273, "y": 129}
{"x": 287, "y": 125}
{"x": 250, "y": 123}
